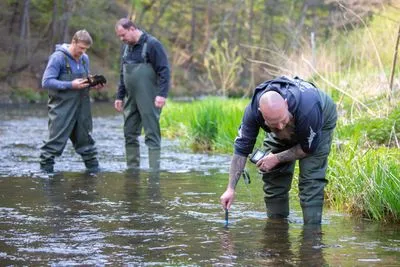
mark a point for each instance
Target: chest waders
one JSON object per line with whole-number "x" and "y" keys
{"x": 69, "y": 118}
{"x": 139, "y": 110}
{"x": 312, "y": 181}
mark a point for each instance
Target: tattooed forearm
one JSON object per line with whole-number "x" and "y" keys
{"x": 291, "y": 154}
{"x": 236, "y": 169}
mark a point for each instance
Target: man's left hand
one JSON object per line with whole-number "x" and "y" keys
{"x": 268, "y": 162}
{"x": 159, "y": 101}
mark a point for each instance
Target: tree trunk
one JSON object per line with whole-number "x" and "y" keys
{"x": 294, "y": 43}
{"x": 54, "y": 33}
{"x": 192, "y": 33}
{"x": 396, "y": 49}
{"x": 23, "y": 25}
{"x": 68, "y": 5}
{"x": 14, "y": 17}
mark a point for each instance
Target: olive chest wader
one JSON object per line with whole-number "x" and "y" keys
{"x": 139, "y": 110}
{"x": 312, "y": 181}
{"x": 69, "y": 117}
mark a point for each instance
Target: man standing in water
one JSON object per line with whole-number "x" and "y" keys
{"x": 299, "y": 120}
{"x": 69, "y": 108}
{"x": 142, "y": 91}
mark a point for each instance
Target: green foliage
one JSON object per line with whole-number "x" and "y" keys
{"x": 208, "y": 125}
{"x": 365, "y": 183}
{"x": 204, "y": 126}
{"x": 363, "y": 180}
{"x": 21, "y": 95}
{"x": 378, "y": 131}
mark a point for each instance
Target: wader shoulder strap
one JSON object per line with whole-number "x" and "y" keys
{"x": 67, "y": 65}
{"x": 126, "y": 48}
{"x": 85, "y": 66}
{"x": 144, "y": 50}
{"x": 143, "y": 54}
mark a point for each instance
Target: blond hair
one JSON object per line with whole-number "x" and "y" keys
{"x": 82, "y": 36}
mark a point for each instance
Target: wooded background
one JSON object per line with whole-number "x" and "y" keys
{"x": 214, "y": 46}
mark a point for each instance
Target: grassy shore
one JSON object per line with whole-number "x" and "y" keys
{"x": 363, "y": 170}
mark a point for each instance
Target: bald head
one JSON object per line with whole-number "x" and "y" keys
{"x": 274, "y": 110}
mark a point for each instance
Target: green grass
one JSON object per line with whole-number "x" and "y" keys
{"x": 208, "y": 125}
{"x": 363, "y": 174}
{"x": 365, "y": 182}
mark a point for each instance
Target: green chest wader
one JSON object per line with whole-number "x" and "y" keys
{"x": 312, "y": 181}
{"x": 69, "y": 118}
{"x": 139, "y": 110}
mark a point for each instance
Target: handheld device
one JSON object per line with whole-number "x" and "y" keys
{"x": 257, "y": 155}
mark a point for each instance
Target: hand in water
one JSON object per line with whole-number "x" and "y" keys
{"x": 227, "y": 198}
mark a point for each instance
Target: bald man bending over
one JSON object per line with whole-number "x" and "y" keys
{"x": 299, "y": 120}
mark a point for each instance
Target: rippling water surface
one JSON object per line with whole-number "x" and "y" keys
{"x": 168, "y": 217}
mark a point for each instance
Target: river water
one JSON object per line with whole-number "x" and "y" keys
{"x": 170, "y": 217}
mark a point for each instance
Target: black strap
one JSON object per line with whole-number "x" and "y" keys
{"x": 143, "y": 54}
{"x": 68, "y": 66}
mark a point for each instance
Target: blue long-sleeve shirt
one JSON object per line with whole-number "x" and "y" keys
{"x": 304, "y": 103}
{"x": 57, "y": 66}
{"x": 156, "y": 56}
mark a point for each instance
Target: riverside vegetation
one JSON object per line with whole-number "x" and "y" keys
{"x": 354, "y": 65}
{"x": 364, "y": 165}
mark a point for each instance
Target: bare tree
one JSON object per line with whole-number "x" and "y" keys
{"x": 64, "y": 27}
{"x": 20, "y": 43}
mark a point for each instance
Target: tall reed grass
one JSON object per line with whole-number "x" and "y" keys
{"x": 365, "y": 183}
{"x": 354, "y": 65}
{"x": 363, "y": 177}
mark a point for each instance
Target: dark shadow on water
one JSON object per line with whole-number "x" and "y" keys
{"x": 311, "y": 246}
{"x": 277, "y": 246}
{"x": 280, "y": 250}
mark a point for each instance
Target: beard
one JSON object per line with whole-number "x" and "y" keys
{"x": 287, "y": 133}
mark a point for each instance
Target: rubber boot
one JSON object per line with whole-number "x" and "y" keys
{"x": 92, "y": 165}
{"x": 46, "y": 163}
{"x": 132, "y": 157}
{"x": 277, "y": 208}
{"x": 312, "y": 214}
{"x": 47, "y": 168}
{"x": 154, "y": 159}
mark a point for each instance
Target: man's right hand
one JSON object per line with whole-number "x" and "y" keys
{"x": 118, "y": 105}
{"x": 80, "y": 84}
{"x": 227, "y": 198}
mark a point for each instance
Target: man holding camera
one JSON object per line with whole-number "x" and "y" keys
{"x": 69, "y": 109}
{"x": 142, "y": 91}
{"x": 299, "y": 120}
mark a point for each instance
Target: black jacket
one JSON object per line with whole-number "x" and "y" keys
{"x": 304, "y": 103}
{"x": 155, "y": 55}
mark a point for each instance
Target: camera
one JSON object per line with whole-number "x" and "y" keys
{"x": 257, "y": 155}
{"x": 94, "y": 80}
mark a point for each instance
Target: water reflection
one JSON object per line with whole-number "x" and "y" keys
{"x": 281, "y": 249}
{"x": 277, "y": 246}
{"x": 228, "y": 254}
{"x": 310, "y": 252}
{"x": 134, "y": 187}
